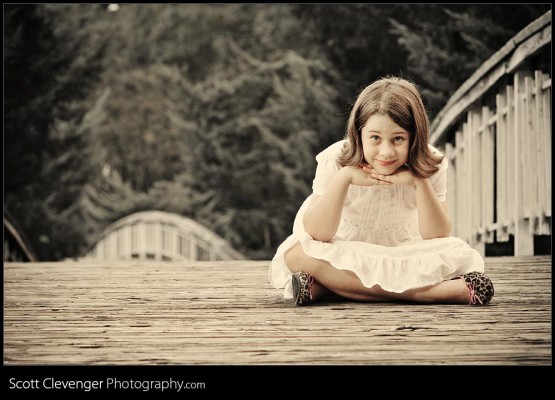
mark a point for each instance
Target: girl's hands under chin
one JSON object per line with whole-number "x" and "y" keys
{"x": 402, "y": 176}
{"x": 357, "y": 176}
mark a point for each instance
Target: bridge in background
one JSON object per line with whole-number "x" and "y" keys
{"x": 157, "y": 235}
{"x": 496, "y": 132}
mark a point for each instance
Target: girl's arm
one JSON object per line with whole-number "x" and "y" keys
{"x": 433, "y": 218}
{"x": 323, "y": 215}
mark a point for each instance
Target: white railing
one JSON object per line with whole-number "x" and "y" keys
{"x": 496, "y": 134}
{"x": 162, "y": 236}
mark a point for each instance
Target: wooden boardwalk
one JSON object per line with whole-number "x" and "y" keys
{"x": 222, "y": 313}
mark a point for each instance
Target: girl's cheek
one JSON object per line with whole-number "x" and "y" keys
{"x": 367, "y": 158}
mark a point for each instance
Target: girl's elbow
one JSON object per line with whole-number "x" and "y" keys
{"x": 318, "y": 233}
{"x": 436, "y": 235}
{"x": 325, "y": 239}
{"x": 447, "y": 231}
{"x": 320, "y": 237}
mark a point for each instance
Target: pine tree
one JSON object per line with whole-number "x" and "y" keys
{"x": 255, "y": 136}
{"x": 48, "y": 70}
{"x": 442, "y": 56}
{"x": 234, "y": 123}
{"x": 136, "y": 135}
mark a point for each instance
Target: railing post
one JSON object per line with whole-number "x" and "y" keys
{"x": 524, "y": 241}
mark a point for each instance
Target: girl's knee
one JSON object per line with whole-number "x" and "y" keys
{"x": 295, "y": 257}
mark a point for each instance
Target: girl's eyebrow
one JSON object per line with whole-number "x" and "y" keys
{"x": 394, "y": 133}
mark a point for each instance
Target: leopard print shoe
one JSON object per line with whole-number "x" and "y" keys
{"x": 302, "y": 285}
{"x": 480, "y": 287}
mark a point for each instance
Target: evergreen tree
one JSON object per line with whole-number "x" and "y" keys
{"x": 438, "y": 46}
{"x": 254, "y": 137}
{"x": 194, "y": 118}
{"x": 442, "y": 56}
{"x": 48, "y": 68}
{"x": 356, "y": 39}
{"x": 135, "y": 136}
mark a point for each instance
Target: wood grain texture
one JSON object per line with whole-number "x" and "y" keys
{"x": 154, "y": 313}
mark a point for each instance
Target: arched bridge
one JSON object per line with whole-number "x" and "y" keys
{"x": 158, "y": 235}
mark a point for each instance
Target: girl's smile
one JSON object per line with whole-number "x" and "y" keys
{"x": 385, "y": 163}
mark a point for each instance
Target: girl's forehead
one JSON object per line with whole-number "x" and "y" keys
{"x": 382, "y": 124}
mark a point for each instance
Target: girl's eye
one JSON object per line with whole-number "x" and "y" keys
{"x": 398, "y": 139}
{"x": 374, "y": 138}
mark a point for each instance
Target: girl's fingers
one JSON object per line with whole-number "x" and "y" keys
{"x": 382, "y": 178}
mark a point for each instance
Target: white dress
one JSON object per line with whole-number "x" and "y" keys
{"x": 378, "y": 237}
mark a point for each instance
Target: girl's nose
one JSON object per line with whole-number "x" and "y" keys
{"x": 386, "y": 150}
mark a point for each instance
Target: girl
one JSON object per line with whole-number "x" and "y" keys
{"x": 376, "y": 227}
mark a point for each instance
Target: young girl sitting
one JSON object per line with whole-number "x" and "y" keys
{"x": 376, "y": 227}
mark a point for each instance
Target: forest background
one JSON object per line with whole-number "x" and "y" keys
{"x": 211, "y": 111}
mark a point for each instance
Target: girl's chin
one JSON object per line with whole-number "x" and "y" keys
{"x": 385, "y": 170}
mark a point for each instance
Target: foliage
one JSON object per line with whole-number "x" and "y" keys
{"x": 135, "y": 136}
{"x": 211, "y": 111}
{"x": 49, "y": 68}
{"x": 255, "y": 136}
{"x": 438, "y": 46}
{"x": 442, "y": 56}
{"x": 356, "y": 40}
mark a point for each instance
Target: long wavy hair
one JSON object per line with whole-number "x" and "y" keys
{"x": 398, "y": 99}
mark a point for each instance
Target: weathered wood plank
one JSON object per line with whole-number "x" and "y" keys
{"x": 124, "y": 313}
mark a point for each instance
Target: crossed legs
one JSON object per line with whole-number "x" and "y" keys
{"x": 346, "y": 284}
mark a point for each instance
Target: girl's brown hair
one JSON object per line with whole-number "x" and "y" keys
{"x": 398, "y": 99}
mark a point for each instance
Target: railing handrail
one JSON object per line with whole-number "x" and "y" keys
{"x": 506, "y": 60}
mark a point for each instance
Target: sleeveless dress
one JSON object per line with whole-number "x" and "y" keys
{"x": 378, "y": 237}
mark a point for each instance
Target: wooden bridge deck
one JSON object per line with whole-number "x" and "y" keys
{"x": 152, "y": 313}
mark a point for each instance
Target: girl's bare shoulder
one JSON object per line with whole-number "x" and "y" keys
{"x": 332, "y": 151}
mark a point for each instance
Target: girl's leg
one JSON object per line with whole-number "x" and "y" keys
{"x": 347, "y": 284}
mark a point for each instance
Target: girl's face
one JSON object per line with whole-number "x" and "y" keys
{"x": 385, "y": 144}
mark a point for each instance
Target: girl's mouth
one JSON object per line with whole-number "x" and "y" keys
{"x": 385, "y": 163}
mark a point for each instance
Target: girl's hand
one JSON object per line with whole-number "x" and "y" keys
{"x": 402, "y": 177}
{"x": 358, "y": 176}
